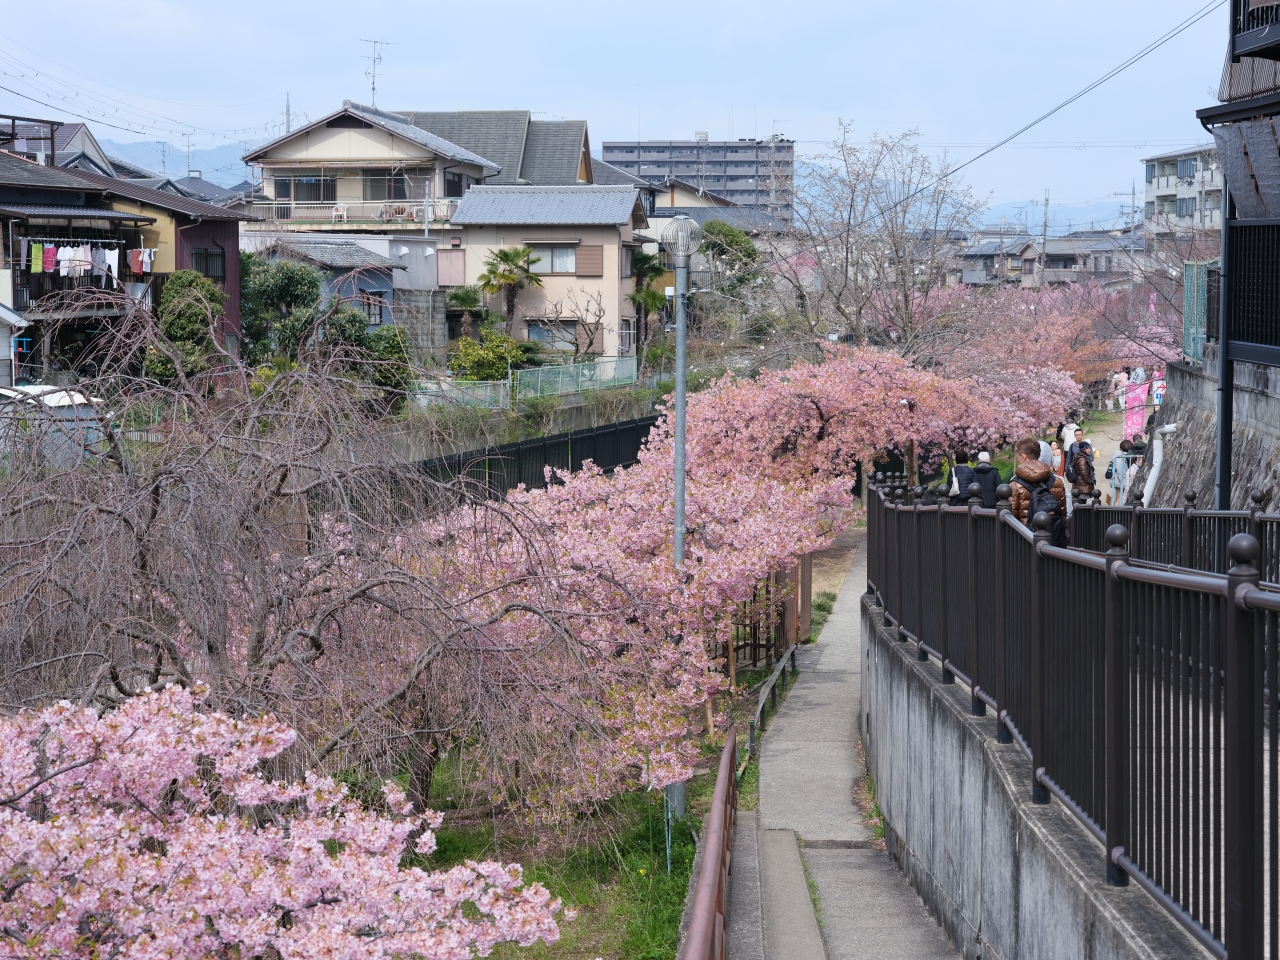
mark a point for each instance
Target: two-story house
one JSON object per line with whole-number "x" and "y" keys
{"x": 1184, "y": 191}
{"x": 583, "y": 238}
{"x": 360, "y": 169}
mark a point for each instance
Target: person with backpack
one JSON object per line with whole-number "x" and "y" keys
{"x": 1080, "y": 465}
{"x": 1036, "y": 489}
{"x": 988, "y": 478}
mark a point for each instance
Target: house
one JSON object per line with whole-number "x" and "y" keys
{"x": 364, "y": 170}
{"x": 186, "y": 234}
{"x": 583, "y": 237}
{"x": 994, "y": 261}
{"x": 609, "y": 175}
{"x": 1184, "y": 191}
{"x": 393, "y": 278}
{"x": 541, "y": 153}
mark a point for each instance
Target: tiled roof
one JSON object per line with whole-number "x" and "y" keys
{"x": 335, "y": 254}
{"x": 497, "y": 134}
{"x": 124, "y": 168}
{"x": 17, "y": 172}
{"x": 607, "y": 173}
{"x": 392, "y": 123}
{"x": 202, "y": 189}
{"x": 996, "y": 247}
{"x": 583, "y": 205}
{"x": 163, "y": 199}
{"x": 79, "y": 213}
{"x": 553, "y": 152}
{"x": 751, "y": 219}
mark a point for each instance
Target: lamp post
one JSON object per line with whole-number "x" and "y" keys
{"x": 681, "y": 238}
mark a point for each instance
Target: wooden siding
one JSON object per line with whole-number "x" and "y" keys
{"x": 216, "y": 233}
{"x": 590, "y": 261}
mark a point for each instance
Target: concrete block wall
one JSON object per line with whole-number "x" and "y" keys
{"x": 1006, "y": 878}
{"x": 423, "y": 316}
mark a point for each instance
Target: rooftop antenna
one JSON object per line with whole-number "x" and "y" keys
{"x": 372, "y": 72}
{"x": 288, "y": 120}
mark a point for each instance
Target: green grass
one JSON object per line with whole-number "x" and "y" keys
{"x": 821, "y": 609}
{"x": 813, "y": 890}
{"x": 749, "y": 785}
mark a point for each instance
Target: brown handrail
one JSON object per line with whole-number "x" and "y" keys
{"x": 705, "y": 940}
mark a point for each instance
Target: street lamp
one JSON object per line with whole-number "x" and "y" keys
{"x": 681, "y": 238}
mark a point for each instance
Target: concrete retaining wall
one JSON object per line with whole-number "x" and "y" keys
{"x": 1007, "y": 879}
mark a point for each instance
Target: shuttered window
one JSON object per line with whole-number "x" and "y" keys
{"x": 591, "y": 261}
{"x": 451, "y": 268}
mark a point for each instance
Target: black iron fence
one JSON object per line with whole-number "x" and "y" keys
{"x": 1143, "y": 692}
{"x": 500, "y": 469}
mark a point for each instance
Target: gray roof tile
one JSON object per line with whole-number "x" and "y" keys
{"x": 553, "y": 152}
{"x": 83, "y": 213}
{"x": 607, "y": 173}
{"x": 497, "y": 134}
{"x": 582, "y": 205}
{"x": 334, "y": 254}
{"x": 159, "y": 198}
{"x": 17, "y": 172}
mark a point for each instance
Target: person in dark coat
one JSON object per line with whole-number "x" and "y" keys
{"x": 988, "y": 478}
{"x": 961, "y": 476}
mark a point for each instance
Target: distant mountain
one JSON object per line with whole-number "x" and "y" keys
{"x": 220, "y": 165}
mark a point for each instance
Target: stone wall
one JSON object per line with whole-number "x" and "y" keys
{"x": 1006, "y": 878}
{"x": 1191, "y": 401}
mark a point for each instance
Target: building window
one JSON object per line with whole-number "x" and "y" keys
{"x": 385, "y": 185}
{"x": 627, "y": 336}
{"x": 209, "y": 262}
{"x": 1151, "y": 172}
{"x": 554, "y": 260}
{"x": 306, "y": 189}
{"x": 1149, "y": 209}
{"x": 1186, "y": 207}
{"x": 1186, "y": 168}
{"x": 1029, "y": 265}
{"x": 628, "y": 254}
{"x": 373, "y": 302}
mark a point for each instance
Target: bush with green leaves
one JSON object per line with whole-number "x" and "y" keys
{"x": 190, "y": 306}
{"x": 490, "y": 359}
{"x": 279, "y": 303}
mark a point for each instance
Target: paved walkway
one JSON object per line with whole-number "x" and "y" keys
{"x": 808, "y": 822}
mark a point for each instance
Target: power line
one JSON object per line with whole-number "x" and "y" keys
{"x": 947, "y": 175}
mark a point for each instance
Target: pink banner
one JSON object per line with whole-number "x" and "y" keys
{"x": 1135, "y": 418}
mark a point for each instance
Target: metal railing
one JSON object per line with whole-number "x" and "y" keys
{"x": 705, "y": 939}
{"x": 489, "y": 394}
{"x": 1145, "y": 697}
{"x": 561, "y": 379}
{"x": 500, "y": 469}
{"x": 356, "y": 211}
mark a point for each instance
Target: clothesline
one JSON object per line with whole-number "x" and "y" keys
{"x": 69, "y": 241}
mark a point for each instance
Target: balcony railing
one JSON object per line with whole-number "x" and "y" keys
{"x": 357, "y": 211}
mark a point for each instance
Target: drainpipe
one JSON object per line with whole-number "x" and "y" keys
{"x": 1157, "y": 459}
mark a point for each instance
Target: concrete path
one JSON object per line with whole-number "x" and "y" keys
{"x": 808, "y": 819}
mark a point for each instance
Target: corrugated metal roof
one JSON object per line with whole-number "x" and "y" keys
{"x": 18, "y": 172}
{"x": 335, "y": 254}
{"x": 134, "y": 190}
{"x": 583, "y": 205}
{"x": 60, "y": 212}
{"x": 498, "y": 134}
{"x": 553, "y": 152}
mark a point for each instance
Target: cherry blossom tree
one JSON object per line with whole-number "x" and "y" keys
{"x": 150, "y": 831}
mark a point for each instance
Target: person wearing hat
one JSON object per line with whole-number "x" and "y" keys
{"x": 988, "y": 478}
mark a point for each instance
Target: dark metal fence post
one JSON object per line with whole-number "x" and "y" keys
{"x": 1117, "y": 711}
{"x": 1043, "y": 537}
{"x": 976, "y": 705}
{"x": 1001, "y": 672}
{"x": 944, "y": 640}
{"x": 1242, "y": 815}
{"x": 1188, "y": 529}
{"x": 919, "y": 575}
{"x": 1135, "y": 529}
{"x": 1256, "y": 499}
{"x": 899, "y": 591}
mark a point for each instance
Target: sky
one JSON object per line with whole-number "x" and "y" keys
{"x": 962, "y": 75}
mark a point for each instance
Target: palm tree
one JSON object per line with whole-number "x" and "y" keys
{"x": 508, "y": 270}
{"x": 466, "y": 299}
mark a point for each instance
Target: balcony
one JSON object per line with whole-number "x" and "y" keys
{"x": 389, "y": 213}
{"x": 1256, "y": 32}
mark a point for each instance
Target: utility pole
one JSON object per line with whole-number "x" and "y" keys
{"x": 372, "y": 72}
{"x": 1044, "y": 243}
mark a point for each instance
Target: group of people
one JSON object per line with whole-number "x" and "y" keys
{"x": 1040, "y": 477}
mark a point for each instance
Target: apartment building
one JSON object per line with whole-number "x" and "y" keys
{"x": 1184, "y": 191}
{"x": 749, "y": 172}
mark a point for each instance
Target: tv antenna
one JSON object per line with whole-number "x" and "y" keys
{"x": 372, "y": 72}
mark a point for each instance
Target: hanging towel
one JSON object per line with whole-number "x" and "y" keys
{"x": 50, "y": 258}
{"x": 22, "y": 257}
{"x": 111, "y": 260}
{"x": 86, "y": 259}
{"x": 148, "y": 254}
{"x": 135, "y": 261}
{"x": 37, "y": 258}
{"x": 95, "y": 262}
{"x": 61, "y": 256}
